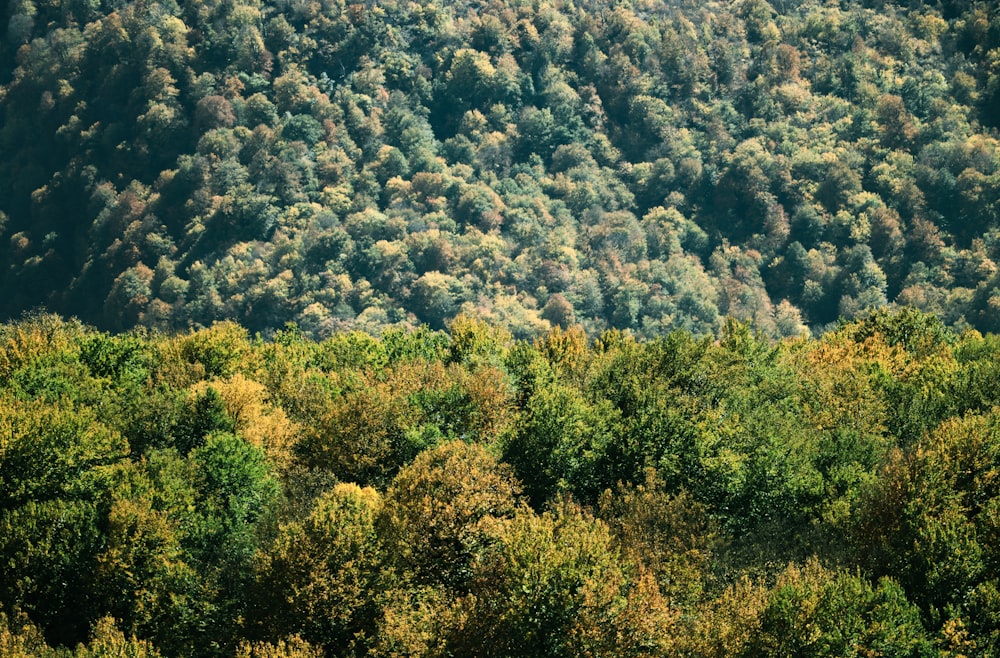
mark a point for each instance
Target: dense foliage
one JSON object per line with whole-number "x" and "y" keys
{"x": 465, "y": 494}
{"x": 645, "y": 165}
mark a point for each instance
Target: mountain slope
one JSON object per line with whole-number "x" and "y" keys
{"x": 647, "y": 165}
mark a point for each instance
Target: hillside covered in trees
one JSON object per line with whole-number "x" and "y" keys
{"x": 465, "y": 494}
{"x": 649, "y": 165}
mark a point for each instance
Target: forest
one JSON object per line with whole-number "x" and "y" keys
{"x": 642, "y": 164}
{"x": 466, "y": 493}
{"x": 500, "y": 328}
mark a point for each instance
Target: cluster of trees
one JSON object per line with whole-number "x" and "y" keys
{"x": 463, "y": 493}
{"x": 646, "y": 165}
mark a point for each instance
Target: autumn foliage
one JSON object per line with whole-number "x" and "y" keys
{"x": 463, "y": 493}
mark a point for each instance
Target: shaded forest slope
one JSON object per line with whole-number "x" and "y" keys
{"x": 646, "y": 165}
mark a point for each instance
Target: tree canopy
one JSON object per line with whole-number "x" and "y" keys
{"x": 648, "y": 165}
{"x": 467, "y": 493}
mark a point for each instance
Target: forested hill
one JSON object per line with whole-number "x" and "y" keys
{"x": 209, "y": 495}
{"x": 646, "y": 165}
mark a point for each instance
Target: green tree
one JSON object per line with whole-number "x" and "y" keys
{"x": 436, "y": 297}
{"x": 58, "y": 463}
{"x": 559, "y": 443}
{"x": 234, "y": 492}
